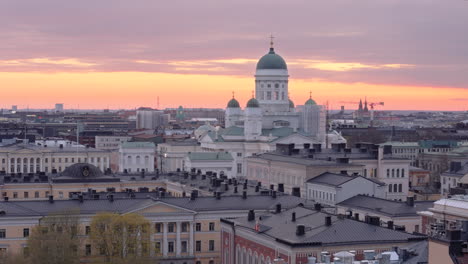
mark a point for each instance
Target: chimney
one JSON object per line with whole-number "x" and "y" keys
{"x": 300, "y": 230}
{"x": 410, "y": 201}
{"x": 281, "y": 187}
{"x": 278, "y": 208}
{"x": 51, "y": 198}
{"x": 390, "y": 224}
{"x": 293, "y": 216}
{"x": 192, "y": 196}
{"x": 328, "y": 220}
{"x": 317, "y": 207}
{"x": 244, "y": 195}
{"x": 251, "y": 215}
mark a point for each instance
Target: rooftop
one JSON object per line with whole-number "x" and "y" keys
{"x": 333, "y": 179}
{"x": 341, "y": 231}
{"x": 385, "y": 207}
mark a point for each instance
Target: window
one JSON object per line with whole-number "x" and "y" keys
{"x": 402, "y": 173}
{"x": 395, "y": 186}
{"x": 239, "y": 154}
{"x": 60, "y": 194}
{"x": 400, "y": 187}
{"x": 276, "y": 85}
{"x": 170, "y": 228}
{"x": 157, "y": 227}
{"x": 211, "y": 245}
{"x": 198, "y": 227}
{"x": 26, "y": 252}
{"x": 26, "y": 195}
{"x": 239, "y": 168}
{"x": 268, "y": 95}
{"x": 393, "y": 173}
{"x": 66, "y": 160}
{"x": 157, "y": 247}
{"x": 170, "y": 247}
{"x": 388, "y": 173}
{"x": 87, "y": 230}
{"x": 390, "y": 188}
{"x": 211, "y": 226}
{"x": 183, "y": 247}
{"x": 184, "y": 227}
{"x": 15, "y": 195}
{"x": 88, "y": 250}
{"x": 197, "y": 245}
{"x": 25, "y": 232}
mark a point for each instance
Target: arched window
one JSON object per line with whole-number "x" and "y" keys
{"x": 400, "y": 187}
{"x": 398, "y": 173}
{"x": 393, "y": 172}
{"x": 138, "y": 160}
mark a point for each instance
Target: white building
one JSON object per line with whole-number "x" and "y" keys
{"x": 31, "y": 158}
{"x": 136, "y": 157}
{"x": 269, "y": 118}
{"x": 451, "y": 178}
{"x": 171, "y": 155}
{"x": 220, "y": 162}
{"x": 148, "y": 118}
{"x": 330, "y": 188}
{"x": 110, "y": 142}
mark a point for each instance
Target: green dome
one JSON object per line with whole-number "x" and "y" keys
{"x": 310, "y": 102}
{"x": 291, "y": 104}
{"x": 253, "y": 103}
{"x": 271, "y": 61}
{"x": 233, "y": 103}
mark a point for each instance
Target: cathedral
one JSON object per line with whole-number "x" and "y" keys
{"x": 271, "y": 108}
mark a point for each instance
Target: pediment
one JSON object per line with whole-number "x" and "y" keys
{"x": 161, "y": 208}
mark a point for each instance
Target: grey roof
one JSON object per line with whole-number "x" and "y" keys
{"x": 333, "y": 179}
{"x": 205, "y": 156}
{"x": 458, "y": 173}
{"x": 301, "y": 160}
{"x": 341, "y": 231}
{"x": 385, "y": 207}
{"x": 44, "y": 207}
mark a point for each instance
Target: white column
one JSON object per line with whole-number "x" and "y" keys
{"x": 178, "y": 244}
{"x": 152, "y": 244}
{"x": 42, "y": 163}
{"x": 191, "y": 239}
{"x": 165, "y": 244}
{"x": 21, "y": 165}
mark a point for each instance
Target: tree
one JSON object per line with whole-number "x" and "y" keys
{"x": 54, "y": 241}
{"x": 121, "y": 238}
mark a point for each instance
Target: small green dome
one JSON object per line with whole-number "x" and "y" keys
{"x": 233, "y": 103}
{"x": 291, "y": 104}
{"x": 271, "y": 61}
{"x": 310, "y": 102}
{"x": 252, "y": 103}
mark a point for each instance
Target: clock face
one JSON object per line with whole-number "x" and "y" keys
{"x": 85, "y": 172}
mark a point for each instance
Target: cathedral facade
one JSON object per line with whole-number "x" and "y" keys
{"x": 272, "y": 108}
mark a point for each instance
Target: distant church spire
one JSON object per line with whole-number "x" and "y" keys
{"x": 271, "y": 41}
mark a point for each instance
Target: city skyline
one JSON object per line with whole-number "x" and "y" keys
{"x": 196, "y": 54}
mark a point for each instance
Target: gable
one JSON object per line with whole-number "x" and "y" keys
{"x": 160, "y": 207}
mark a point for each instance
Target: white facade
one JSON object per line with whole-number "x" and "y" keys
{"x": 136, "y": 157}
{"x": 148, "y": 118}
{"x": 220, "y": 162}
{"x": 29, "y": 158}
{"x": 110, "y": 142}
{"x": 171, "y": 155}
{"x": 331, "y": 195}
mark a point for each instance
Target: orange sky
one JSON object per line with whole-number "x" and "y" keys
{"x": 117, "y": 90}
